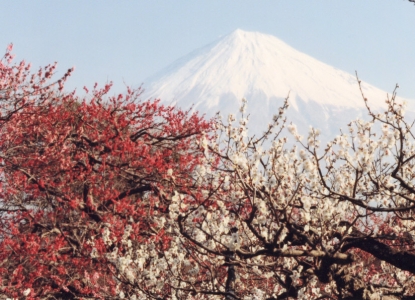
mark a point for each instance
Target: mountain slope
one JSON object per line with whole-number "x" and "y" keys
{"x": 264, "y": 70}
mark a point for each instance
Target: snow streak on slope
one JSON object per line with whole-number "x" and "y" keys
{"x": 263, "y": 69}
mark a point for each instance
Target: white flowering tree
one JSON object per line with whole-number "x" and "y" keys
{"x": 264, "y": 220}
{"x": 336, "y": 222}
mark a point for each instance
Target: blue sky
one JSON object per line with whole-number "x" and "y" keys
{"x": 127, "y": 41}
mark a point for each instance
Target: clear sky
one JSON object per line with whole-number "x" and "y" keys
{"x": 127, "y": 41}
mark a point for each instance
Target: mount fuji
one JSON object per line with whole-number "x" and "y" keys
{"x": 264, "y": 70}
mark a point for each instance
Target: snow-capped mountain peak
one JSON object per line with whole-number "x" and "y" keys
{"x": 264, "y": 70}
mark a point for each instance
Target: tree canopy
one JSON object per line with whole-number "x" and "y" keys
{"x": 111, "y": 197}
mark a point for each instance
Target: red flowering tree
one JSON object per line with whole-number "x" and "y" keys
{"x": 82, "y": 182}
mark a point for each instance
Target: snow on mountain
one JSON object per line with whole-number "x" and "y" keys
{"x": 264, "y": 70}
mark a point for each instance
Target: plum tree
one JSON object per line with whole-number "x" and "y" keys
{"x": 110, "y": 197}
{"x": 80, "y": 177}
{"x": 309, "y": 223}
